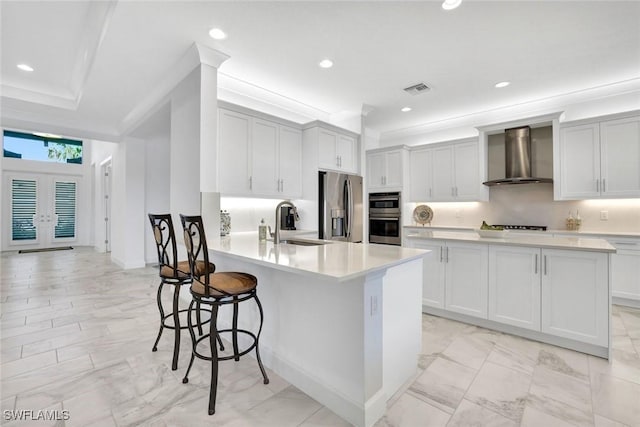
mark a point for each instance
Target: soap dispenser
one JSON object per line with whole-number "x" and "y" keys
{"x": 262, "y": 231}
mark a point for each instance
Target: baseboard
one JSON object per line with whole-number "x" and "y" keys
{"x": 627, "y": 302}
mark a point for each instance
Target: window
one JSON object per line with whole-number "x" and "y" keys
{"x": 43, "y": 148}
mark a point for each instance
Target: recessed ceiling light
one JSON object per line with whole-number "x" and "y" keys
{"x": 25, "y": 67}
{"x": 405, "y": 109}
{"x": 326, "y": 63}
{"x": 47, "y": 135}
{"x": 451, "y": 4}
{"x": 502, "y": 84}
{"x": 217, "y": 34}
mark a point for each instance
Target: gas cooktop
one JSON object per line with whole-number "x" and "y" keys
{"x": 523, "y": 227}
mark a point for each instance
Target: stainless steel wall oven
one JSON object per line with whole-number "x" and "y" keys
{"x": 385, "y": 218}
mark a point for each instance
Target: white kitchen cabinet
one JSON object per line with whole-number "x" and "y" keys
{"x": 290, "y": 162}
{"x": 455, "y": 172}
{"x": 385, "y": 169}
{"x": 337, "y": 151}
{"x": 599, "y": 160}
{"x": 625, "y": 269}
{"x": 575, "y": 295}
{"x": 466, "y": 278}
{"x": 234, "y": 145}
{"x": 433, "y": 274}
{"x": 514, "y": 286}
{"x": 258, "y": 157}
{"x": 421, "y": 175}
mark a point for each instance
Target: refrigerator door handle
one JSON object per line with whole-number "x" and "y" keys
{"x": 351, "y": 210}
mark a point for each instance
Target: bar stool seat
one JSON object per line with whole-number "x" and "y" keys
{"x": 216, "y": 289}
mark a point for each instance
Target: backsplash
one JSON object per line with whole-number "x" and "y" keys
{"x": 246, "y": 213}
{"x": 533, "y": 204}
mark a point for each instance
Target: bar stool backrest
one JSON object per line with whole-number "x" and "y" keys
{"x": 162, "y": 227}
{"x": 196, "y": 243}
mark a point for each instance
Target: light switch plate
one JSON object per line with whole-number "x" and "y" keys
{"x": 604, "y": 215}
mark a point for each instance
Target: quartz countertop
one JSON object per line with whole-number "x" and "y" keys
{"x": 542, "y": 241}
{"x": 335, "y": 260}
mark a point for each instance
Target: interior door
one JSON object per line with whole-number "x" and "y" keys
{"x": 42, "y": 211}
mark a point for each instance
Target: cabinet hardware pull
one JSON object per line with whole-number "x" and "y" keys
{"x": 337, "y": 160}
{"x": 545, "y": 265}
{"x": 604, "y": 185}
{"x": 441, "y": 250}
{"x": 536, "y": 265}
{"x": 447, "y": 254}
{"x": 250, "y": 183}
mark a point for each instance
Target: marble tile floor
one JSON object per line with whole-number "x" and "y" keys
{"x": 76, "y": 334}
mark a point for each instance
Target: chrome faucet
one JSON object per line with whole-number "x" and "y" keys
{"x": 276, "y": 235}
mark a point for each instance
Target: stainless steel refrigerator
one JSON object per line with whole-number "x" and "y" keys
{"x": 340, "y": 207}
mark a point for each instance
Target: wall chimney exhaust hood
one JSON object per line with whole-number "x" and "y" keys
{"x": 518, "y": 159}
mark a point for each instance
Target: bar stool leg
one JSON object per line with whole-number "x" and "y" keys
{"x": 155, "y": 345}
{"x": 264, "y": 373}
{"x": 213, "y": 332}
{"x": 234, "y": 332}
{"x": 193, "y": 343}
{"x": 198, "y": 319}
{"x": 176, "y": 324}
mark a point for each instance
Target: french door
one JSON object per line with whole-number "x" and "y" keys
{"x": 42, "y": 211}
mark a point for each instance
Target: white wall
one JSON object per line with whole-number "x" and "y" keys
{"x": 533, "y": 204}
{"x": 157, "y": 183}
{"x": 102, "y": 152}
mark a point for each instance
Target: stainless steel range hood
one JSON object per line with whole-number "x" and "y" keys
{"x": 518, "y": 159}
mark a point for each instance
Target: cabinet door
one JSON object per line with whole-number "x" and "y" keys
{"x": 466, "y": 170}
{"x": 514, "y": 286}
{"x": 290, "y": 162}
{"x": 346, "y": 152}
{"x": 575, "y": 295}
{"x": 466, "y": 278}
{"x": 234, "y": 132}
{"x": 625, "y": 271}
{"x": 433, "y": 271}
{"x": 327, "y": 154}
{"x": 620, "y": 157}
{"x": 580, "y": 162}
{"x": 264, "y": 144}
{"x": 393, "y": 175}
{"x": 376, "y": 170}
{"x": 443, "y": 174}
{"x": 420, "y": 172}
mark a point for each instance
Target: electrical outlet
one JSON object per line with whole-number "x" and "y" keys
{"x": 604, "y": 215}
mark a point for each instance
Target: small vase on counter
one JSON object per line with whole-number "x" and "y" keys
{"x": 578, "y": 221}
{"x": 573, "y": 223}
{"x": 225, "y": 223}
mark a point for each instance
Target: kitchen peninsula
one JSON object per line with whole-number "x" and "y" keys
{"x": 342, "y": 320}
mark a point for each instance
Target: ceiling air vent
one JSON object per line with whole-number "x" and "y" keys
{"x": 416, "y": 89}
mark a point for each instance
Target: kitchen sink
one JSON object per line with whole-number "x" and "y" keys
{"x": 301, "y": 242}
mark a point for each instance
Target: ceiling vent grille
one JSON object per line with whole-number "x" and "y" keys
{"x": 417, "y": 89}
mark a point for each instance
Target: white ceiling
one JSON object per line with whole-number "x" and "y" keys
{"x": 95, "y": 62}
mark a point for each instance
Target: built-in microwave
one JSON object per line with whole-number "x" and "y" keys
{"x": 385, "y": 218}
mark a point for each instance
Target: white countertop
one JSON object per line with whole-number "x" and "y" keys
{"x": 542, "y": 241}
{"x": 335, "y": 260}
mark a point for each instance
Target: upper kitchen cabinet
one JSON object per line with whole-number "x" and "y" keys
{"x": 599, "y": 159}
{"x": 336, "y": 149}
{"x": 258, "y": 156}
{"x": 447, "y": 172}
{"x": 386, "y": 169}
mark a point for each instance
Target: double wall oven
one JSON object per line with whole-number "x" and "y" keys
{"x": 385, "y": 218}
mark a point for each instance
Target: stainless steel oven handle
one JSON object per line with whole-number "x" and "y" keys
{"x": 384, "y": 218}
{"x": 384, "y": 199}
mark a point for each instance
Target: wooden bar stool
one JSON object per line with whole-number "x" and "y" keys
{"x": 215, "y": 290}
{"x": 174, "y": 273}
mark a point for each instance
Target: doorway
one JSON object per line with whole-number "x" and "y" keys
{"x": 42, "y": 211}
{"x": 105, "y": 169}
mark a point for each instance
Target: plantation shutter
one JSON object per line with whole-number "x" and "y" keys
{"x": 23, "y": 209}
{"x": 65, "y": 209}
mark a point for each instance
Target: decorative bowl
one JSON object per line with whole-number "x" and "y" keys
{"x": 492, "y": 233}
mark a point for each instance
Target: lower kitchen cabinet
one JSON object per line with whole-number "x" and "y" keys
{"x": 466, "y": 278}
{"x": 575, "y": 295}
{"x": 514, "y": 286}
{"x": 625, "y": 269}
{"x": 455, "y": 276}
{"x": 433, "y": 272}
